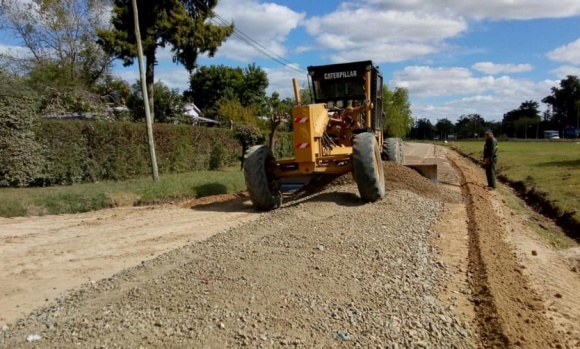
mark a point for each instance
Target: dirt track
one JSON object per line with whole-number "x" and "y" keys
{"x": 296, "y": 277}
{"x": 43, "y": 257}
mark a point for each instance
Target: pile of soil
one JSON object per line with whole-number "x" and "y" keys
{"x": 399, "y": 177}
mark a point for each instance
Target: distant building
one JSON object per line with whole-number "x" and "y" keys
{"x": 193, "y": 111}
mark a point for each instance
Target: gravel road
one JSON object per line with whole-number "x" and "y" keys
{"x": 427, "y": 267}
{"x": 323, "y": 272}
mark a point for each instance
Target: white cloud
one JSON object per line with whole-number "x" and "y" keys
{"x": 265, "y": 23}
{"x": 302, "y": 49}
{"x": 431, "y": 82}
{"x": 382, "y": 35}
{"x": 164, "y": 53}
{"x": 176, "y": 77}
{"x": 568, "y": 53}
{"x": 493, "y": 68}
{"x": 14, "y": 51}
{"x": 491, "y": 9}
{"x": 172, "y": 77}
{"x": 565, "y": 70}
{"x": 382, "y": 53}
{"x": 281, "y": 81}
{"x": 451, "y": 92}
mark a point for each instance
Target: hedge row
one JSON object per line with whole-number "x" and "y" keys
{"x": 80, "y": 151}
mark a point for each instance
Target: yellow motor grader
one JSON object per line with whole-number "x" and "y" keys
{"x": 340, "y": 132}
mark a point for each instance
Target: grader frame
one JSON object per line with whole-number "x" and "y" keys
{"x": 337, "y": 134}
{"x": 314, "y": 152}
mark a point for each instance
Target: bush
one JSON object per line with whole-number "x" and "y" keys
{"x": 81, "y": 151}
{"x": 284, "y": 145}
{"x": 216, "y": 157}
{"x": 21, "y": 157}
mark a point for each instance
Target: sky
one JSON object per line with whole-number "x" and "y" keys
{"x": 455, "y": 57}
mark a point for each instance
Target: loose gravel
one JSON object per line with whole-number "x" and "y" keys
{"x": 322, "y": 272}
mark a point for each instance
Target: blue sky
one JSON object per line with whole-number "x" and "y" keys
{"x": 455, "y": 56}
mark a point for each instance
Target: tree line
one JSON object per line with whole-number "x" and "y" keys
{"x": 64, "y": 67}
{"x": 527, "y": 121}
{"x": 69, "y": 47}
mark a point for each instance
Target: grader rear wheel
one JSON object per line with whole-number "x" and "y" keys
{"x": 401, "y": 151}
{"x": 263, "y": 187}
{"x": 393, "y": 150}
{"x": 368, "y": 167}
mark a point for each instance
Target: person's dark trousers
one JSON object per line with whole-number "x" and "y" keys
{"x": 490, "y": 172}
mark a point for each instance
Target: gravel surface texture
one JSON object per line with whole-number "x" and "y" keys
{"x": 322, "y": 272}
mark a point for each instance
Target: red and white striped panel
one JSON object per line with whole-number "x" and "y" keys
{"x": 302, "y": 145}
{"x": 300, "y": 120}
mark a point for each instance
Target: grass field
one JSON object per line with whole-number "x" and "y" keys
{"x": 94, "y": 196}
{"x": 551, "y": 167}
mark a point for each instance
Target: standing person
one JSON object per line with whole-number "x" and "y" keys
{"x": 490, "y": 158}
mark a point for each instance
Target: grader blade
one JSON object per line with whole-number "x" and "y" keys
{"x": 427, "y": 171}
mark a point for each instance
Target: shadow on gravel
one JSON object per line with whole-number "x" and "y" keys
{"x": 232, "y": 205}
{"x": 243, "y": 203}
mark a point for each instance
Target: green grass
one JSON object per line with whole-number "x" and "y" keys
{"x": 556, "y": 238}
{"x": 551, "y": 167}
{"x": 94, "y": 196}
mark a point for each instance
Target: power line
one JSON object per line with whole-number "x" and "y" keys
{"x": 244, "y": 37}
{"x": 266, "y": 53}
{"x": 253, "y": 43}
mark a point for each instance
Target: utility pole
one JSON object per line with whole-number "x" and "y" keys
{"x": 148, "y": 120}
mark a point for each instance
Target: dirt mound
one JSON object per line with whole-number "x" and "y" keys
{"x": 399, "y": 177}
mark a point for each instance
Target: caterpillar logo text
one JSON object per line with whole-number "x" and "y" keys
{"x": 340, "y": 75}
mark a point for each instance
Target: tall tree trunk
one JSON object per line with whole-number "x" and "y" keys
{"x": 149, "y": 79}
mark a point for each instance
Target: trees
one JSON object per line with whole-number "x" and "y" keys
{"x": 398, "y": 117}
{"x": 564, "y": 102}
{"x": 61, "y": 61}
{"x": 470, "y": 126}
{"x": 209, "y": 85}
{"x": 184, "y": 25}
{"x": 233, "y": 111}
{"x": 252, "y": 91}
{"x": 60, "y": 34}
{"x": 169, "y": 104}
{"x": 517, "y": 122}
{"x": 444, "y": 127}
{"x": 423, "y": 129}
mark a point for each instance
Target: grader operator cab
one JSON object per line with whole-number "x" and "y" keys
{"x": 337, "y": 134}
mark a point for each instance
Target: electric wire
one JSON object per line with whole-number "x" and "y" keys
{"x": 219, "y": 20}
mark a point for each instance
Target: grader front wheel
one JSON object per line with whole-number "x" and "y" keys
{"x": 263, "y": 187}
{"x": 368, "y": 167}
